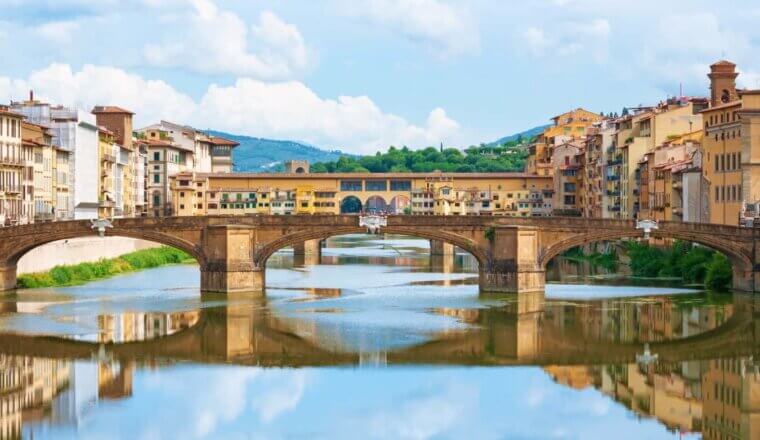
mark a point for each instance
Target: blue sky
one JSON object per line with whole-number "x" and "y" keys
{"x": 362, "y": 74}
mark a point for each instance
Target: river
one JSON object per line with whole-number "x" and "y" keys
{"x": 377, "y": 341}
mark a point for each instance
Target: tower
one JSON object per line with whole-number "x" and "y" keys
{"x": 723, "y": 83}
{"x": 296, "y": 166}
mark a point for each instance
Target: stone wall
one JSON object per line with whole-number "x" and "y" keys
{"x": 79, "y": 250}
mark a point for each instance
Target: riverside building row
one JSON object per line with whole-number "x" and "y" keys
{"x": 58, "y": 163}
{"x": 690, "y": 159}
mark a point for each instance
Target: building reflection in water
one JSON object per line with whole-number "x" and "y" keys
{"x": 37, "y": 390}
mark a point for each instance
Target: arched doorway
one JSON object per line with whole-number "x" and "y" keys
{"x": 376, "y": 204}
{"x": 399, "y": 205}
{"x": 351, "y": 205}
{"x": 300, "y": 170}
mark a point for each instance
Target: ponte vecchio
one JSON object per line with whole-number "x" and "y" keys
{"x": 512, "y": 253}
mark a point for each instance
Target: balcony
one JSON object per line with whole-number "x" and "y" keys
{"x": 615, "y": 162}
{"x": 613, "y": 178}
{"x": 613, "y": 193}
{"x": 105, "y": 157}
{"x": 13, "y": 161}
{"x": 613, "y": 208}
{"x": 11, "y": 189}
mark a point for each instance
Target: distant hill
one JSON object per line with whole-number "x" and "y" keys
{"x": 535, "y": 131}
{"x": 257, "y": 155}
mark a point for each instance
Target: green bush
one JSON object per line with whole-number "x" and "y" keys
{"x": 719, "y": 274}
{"x": 85, "y": 272}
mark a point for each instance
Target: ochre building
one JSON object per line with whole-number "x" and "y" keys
{"x": 511, "y": 194}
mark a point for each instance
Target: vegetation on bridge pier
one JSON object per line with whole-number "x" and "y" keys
{"x": 77, "y": 274}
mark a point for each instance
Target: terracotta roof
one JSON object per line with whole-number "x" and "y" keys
{"x": 222, "y": 141}
{"x": 102, "y": 109}
{"x": 158, "y": 143}
{"x": 6, "y": 112}
{"x": 735, "y": 103}
{"x": 723, "y": 63}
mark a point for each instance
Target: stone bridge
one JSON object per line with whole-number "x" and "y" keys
{"x": 512, "y": 253}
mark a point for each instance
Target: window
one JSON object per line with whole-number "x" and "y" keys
{"x": 181, "y": 206}
{"x": 717, "y": 194}
{"x": 569, "y": 187}
{"x": 376, "y": 185}
{"x": 401, "y": 185}
{"x": 304, "y": 204}
{"x": 446, "y": 191}
{"x": 156, "y": 178}
{"x": 238, "y": 197}
{"x": 156, "y": 200}
{"x": 182, "y": 194}
{"x": 350, "y": 185}
{"x": 157, "y": 155}
{"x": 251, "y": 196}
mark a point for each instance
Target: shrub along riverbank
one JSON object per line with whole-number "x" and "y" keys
{"x": 692, "y": 264}
{"x": 72, "y": 275}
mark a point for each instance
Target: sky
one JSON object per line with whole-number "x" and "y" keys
{"x": 359, "y": 75}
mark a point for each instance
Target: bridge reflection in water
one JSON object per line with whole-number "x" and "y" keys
{"x": 704, "y": 365}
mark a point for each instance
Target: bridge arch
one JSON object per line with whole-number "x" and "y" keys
{"x": 156, "y": 237}
{"x": 376, "y": 204}
{"x": 741, "y": 261}
{"x": 351, "y": 205}
{"x": 262, "y": 255}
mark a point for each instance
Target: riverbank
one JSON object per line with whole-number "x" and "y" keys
{"x": 79, "y": 250}
{"x": 77, "y": 274}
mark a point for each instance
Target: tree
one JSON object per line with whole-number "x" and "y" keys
{"x": 719, "y": 274}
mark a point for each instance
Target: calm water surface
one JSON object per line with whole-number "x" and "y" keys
{"x": 382, "y": 341}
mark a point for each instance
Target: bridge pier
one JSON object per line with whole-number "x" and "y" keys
{"x": 441, "y": 248}
{"x": 229, "y": 266}
{"x": 7, "y": 278}
{"x": 441, "y": 256}
{"x": 745, "y": 280}
{"x": 512, "y": 265}
{"x": 307, "y": 253}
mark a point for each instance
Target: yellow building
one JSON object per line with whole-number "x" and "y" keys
{"x": 107, "y": 164}
{"x": 39, "y": 140}
{"x": 731, "y": 145}
{"x": 12, "y": 164}
{"x": 61, "y": 190}
{"x": 565, "y": 127}
{"x": 516, "y": 194}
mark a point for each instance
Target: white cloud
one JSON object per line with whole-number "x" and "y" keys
{"x": 570, "y": 39}
{"x": 426, "y": 416}
{"x": 212, "y": 40}
{"x": 280, "y": 396}
{"x": 58, "y": 31}
{"x": 447, "y": 29}
{"x": 288, "y": 110}
{"x": 292, "y": 110}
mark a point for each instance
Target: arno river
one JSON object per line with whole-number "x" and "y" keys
{"x": 379, "y": 340}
